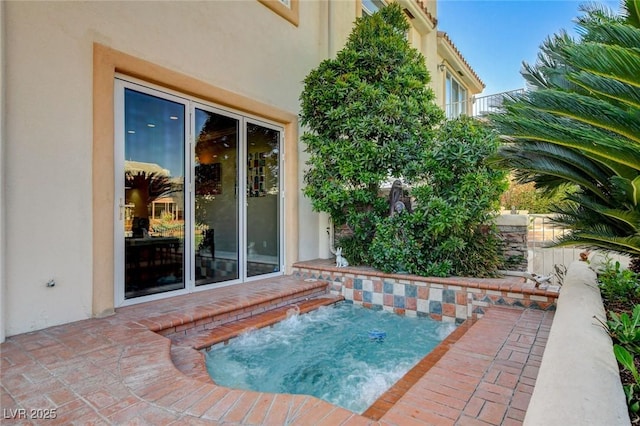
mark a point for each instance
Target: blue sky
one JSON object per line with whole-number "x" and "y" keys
{"x": 495, "y": 37}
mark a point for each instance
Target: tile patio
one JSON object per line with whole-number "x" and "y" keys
{"x": 123, "y": 370}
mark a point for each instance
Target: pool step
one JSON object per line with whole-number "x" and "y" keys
{"x": 190, "y": 362}
{"x": 207, "y": 338}
{"x": 205, "y": 314}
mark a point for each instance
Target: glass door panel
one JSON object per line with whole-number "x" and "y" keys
{"x": 185, "y": 218}
{"x": 263, "y": 200}
{"x": 154, "y": 198}
{"x": 216, "y": 198}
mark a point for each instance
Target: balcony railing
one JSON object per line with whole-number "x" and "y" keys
{"x": 484, "y": 105}
{"x": 456, "y": 109}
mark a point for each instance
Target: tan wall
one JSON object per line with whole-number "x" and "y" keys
{"x": 423, "y": 36}
{"x": 3, "y": 204}
{"x": 336, "y": 20}
{"x": 430, "y": 51}
{"x": 57, "y": 165}
{"x": 56, "y": 157}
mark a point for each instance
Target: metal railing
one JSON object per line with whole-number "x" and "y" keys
{"x": 545, "y": 260}
{"x": 484, "y": 105}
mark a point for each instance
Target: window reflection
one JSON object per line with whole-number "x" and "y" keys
{"x": 263, "y": 201}
{"x": 216, "y": 198}
{"x": 154, "y": 194}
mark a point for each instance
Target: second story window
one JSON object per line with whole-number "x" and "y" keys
{"x": 288, "y": 9}
{"x": 369, "y": 7}
{"x": 456, "y": 97}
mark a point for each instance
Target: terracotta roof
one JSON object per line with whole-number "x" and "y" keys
{"x": 423, "y": 7}
{"x": 445, "y": 36}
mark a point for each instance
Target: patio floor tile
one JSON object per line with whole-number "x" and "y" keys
{"x": 117, "y": 370}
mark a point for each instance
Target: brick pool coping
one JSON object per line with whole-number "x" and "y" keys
{"x": 116, "y": 370}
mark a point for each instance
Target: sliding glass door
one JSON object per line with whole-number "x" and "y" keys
{"x": 263, "y": 199}
{"x": 216, "y": 208}
{"x": 184, "y": 221}
{"x": 151, "y": 203}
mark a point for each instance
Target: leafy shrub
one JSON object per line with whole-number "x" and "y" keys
{"x": 617, "y": 284}
{"x": 372, "y": 117}
{"x": 620, "y": 290}
{"x": 459, "y": 200}
{"x": 353, "y": 248}
{"x": 395, "y": 247}
{"x": 625, "y": 329}
{"x": 370, "y": 114}
{"x": 631, "y": 390}
{"x": 525, "y": 196}
{"x": 450, "y": 230}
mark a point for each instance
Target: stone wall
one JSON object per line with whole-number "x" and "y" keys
{"x": 513, "y": 231}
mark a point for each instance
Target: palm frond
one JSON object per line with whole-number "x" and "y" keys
{"x": 596, "y": 219}
{"x": 589, "y": 110}
{"x": 550, "y": 68}
{"x": 616, "y": 33}
{"x": 624, "y": 221}
{"x": 615, "y": 62}
{"x": 582, "y": 125}
{"x": 607, "y": 88}
{"x": 596, "y": 16}
{"x": 525, "y": 123}
{"x": 628, "y": 189}
{"x": 631, "y": 12}
{"x": 592, "y": 169}
{"x": 621, "y": 245}
{"x": 550, "y": 174}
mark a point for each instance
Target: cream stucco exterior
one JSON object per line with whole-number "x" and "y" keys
{"x": 2, "y": 180}
{"x": 57, "y": 122}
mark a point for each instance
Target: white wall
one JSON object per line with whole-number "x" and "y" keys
{"x": 241, "y": 46}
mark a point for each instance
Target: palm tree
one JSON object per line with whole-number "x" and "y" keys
{"x": 579, "y": 124}
{"x": 150, "y": 187}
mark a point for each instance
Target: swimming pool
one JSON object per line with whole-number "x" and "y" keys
{"x": 345, "y": 354}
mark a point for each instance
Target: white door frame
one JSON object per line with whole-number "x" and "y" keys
{"x": 281, "y": 222}
{"x": 190, "y": 103}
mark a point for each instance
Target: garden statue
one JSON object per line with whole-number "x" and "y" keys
{"x": 341, "y": 261}
{"x": 395, "y": 198}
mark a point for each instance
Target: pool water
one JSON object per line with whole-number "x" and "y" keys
{"x": 345, "y": 354}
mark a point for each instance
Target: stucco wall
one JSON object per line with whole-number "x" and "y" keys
{"x": 513, "y": 230}
{"x": 243, "y": 47}
{"x": 578, "y": 382}
{"x": 3, "y": 204}
{"x": 429, "y": 49}
{"x": 336, "y": 23}
{"x": 240, "y": 46}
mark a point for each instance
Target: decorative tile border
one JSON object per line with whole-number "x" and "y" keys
{"x": 443, "y": 299}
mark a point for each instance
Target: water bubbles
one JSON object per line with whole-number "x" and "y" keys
{"x": 331, "y": 353}
{"x": 294, "y": 311}
{"x": 445, "y": 330}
